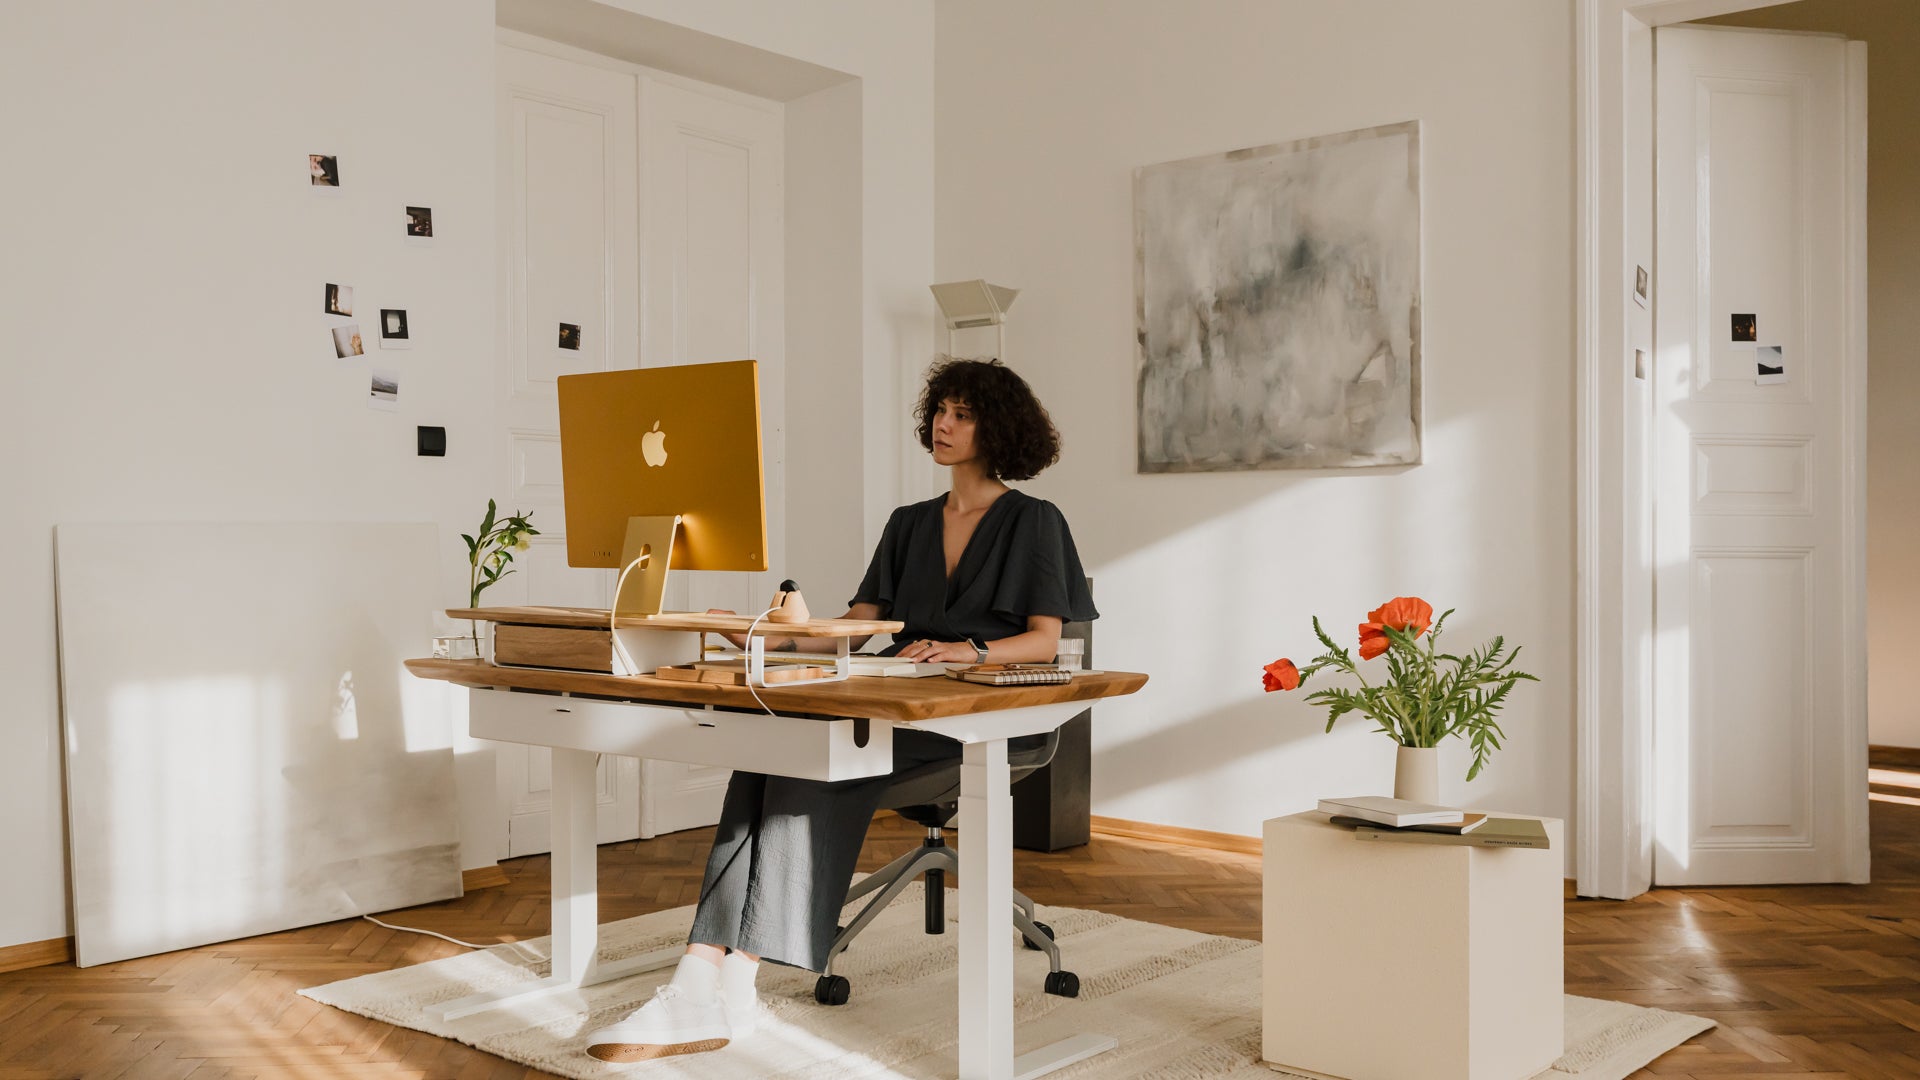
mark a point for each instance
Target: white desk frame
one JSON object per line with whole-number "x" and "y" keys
{"x": 579, "y": 728}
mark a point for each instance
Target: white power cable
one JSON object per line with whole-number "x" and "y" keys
{"x": 613, "y": 614}
{"x": 763, "y": 659}
{"x": 429, "y": 933}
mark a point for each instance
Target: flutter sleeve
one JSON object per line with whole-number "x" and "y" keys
{"x": 881, "y": 586}
{"x": 1042, "y": 574}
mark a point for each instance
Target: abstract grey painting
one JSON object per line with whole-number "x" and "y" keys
{"x": 1278, "y": 305}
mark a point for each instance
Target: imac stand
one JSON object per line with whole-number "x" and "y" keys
{"x": 645, "y": 557}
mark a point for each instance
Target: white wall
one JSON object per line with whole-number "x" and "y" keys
{"x": 166, "y": 257}
{"x": 164, "y": 352}
{"x": 1043, "y": 112}
{"x": 1891, "y": 29}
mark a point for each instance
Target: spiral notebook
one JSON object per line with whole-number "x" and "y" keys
{"x": 1011, "y": 674}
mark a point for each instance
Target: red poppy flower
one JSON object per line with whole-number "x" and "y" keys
{"x": 1408, "y": 614}
{"x": 1373, "y": 641}
{"x": 1280, "y": 675}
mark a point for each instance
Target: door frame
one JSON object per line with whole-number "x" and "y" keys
{"x": 1613, "y": 717}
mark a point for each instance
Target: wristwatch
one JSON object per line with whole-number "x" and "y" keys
{"x": 979, "y": 651}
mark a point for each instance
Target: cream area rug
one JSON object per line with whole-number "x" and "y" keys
{"x": 1183, "y": 1005}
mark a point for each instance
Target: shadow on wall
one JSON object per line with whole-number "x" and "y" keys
{"x": 1197, "y": 746}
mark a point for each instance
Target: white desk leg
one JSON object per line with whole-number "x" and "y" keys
{"x": 986, "y": 913}
{"x": 986, "y": 931}
{"x": 576, "y": 899}
{"x": 576, "y": 884}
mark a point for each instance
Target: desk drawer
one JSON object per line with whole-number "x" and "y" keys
{"x": 779, "y": 745}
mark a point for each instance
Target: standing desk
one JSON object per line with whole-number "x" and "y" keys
{"x": 831, "y": 731}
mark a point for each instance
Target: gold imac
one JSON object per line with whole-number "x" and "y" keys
{"x": 661, "y": 468}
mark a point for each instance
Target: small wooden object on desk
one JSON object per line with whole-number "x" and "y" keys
{"x": 1386, "y": 961}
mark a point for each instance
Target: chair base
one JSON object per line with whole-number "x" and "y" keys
{"x": 935, "y": 860}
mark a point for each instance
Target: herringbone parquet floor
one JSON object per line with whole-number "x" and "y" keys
{"x": 1810, "y": 982}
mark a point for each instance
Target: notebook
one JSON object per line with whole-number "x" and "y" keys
{"x": 1012, "y": 674}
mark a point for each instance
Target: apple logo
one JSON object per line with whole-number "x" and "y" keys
{"x": 653, "y": 446}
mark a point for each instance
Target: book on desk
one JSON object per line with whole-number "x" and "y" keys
{"x": 1012, "y": 674}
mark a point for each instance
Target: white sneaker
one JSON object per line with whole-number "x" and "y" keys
{"x": 737, "y": 994}
{"x": 676, "y": 1021}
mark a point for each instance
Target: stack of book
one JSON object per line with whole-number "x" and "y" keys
{"x": 1375, "y": 817}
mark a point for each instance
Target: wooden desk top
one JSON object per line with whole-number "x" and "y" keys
{"x": 596, "y": 619}
{"x": 878, "y": 699}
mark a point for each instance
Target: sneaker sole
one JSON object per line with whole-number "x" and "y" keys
{"x": 625, "y": 1052}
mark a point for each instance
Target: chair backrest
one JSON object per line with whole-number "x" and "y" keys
{"x": 912, "y": 795}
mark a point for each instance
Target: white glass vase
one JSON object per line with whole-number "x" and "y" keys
{"x": 1416, "y": 774}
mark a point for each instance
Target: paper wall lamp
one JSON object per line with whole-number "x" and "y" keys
{"x": 968, "y": 304}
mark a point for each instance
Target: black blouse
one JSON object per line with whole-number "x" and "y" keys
{"x": 1019, "y": 562}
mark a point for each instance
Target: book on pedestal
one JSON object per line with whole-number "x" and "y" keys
{"x": 1398, "y": 813}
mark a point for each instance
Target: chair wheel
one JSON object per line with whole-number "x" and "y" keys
{"x": 1043, "y": 928}
{"x": 1063, "y": 984}
{"x": 833, "y": 989}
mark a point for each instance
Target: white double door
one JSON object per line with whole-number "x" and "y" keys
{"x": 645, "y": 212}
{"x": 1760, "y": 668}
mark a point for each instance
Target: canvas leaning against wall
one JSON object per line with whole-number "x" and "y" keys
{"x": 1278, "y": 305}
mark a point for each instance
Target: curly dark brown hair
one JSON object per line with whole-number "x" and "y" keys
{"x": 1015, "y": 435}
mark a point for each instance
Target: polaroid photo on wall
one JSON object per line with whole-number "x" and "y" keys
{"x": 1769, "y": 365}
{"x": 346, "y": 341}
{"x": 339, "y": 299}
{"x": 570, "y": 336}
{"x": 1640, "y": 283}
{"x": 393, "y": 329}
{"x": 323, "y": 174}
{"x": 420, "y": 226}
{"x": 383, "y": 392}
{"x": 1746, "y": 329}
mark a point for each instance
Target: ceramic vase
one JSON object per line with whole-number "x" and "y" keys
{"x": 1416, "y": 774}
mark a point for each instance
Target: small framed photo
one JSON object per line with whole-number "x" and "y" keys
{"x": 1640, "y": 281}
{"x": 383, "y": 390}
{"x": 1746, "y": 329}
{"x": 346, "y": 341}
{"x": 569, "y": 336}
{"x": 393, "y": 329}
{"x": 323, "y": 173}
{"x": 339, "y": 299}
{"x": 420, "y": 225}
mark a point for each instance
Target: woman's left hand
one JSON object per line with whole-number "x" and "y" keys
{"x": 938, "y": 652}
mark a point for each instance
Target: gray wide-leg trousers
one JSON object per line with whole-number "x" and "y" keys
{"x": 784, "y": 853}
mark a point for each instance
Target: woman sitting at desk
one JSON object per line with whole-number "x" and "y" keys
{"x": 981, "y": 573}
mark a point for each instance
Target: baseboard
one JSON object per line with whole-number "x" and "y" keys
{"x": 1170, "y": 834}
{"x": 60, "y": 950}
{"x": 483, "y": 877}
{"x": 1893, "y": 757}
{"x": 36, "y": 954}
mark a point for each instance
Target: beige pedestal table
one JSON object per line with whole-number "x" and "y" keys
{"x": 1387, "y": 960}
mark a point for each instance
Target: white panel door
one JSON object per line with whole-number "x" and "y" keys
{"x": 1760, "y": 726}
{"x": 712, "y": 289}
{"x": 568, "y": 192}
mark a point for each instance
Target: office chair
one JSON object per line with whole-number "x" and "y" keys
{"x": 929, "y": 797}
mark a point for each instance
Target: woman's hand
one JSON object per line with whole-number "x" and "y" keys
{"x": 938, "y": 652}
